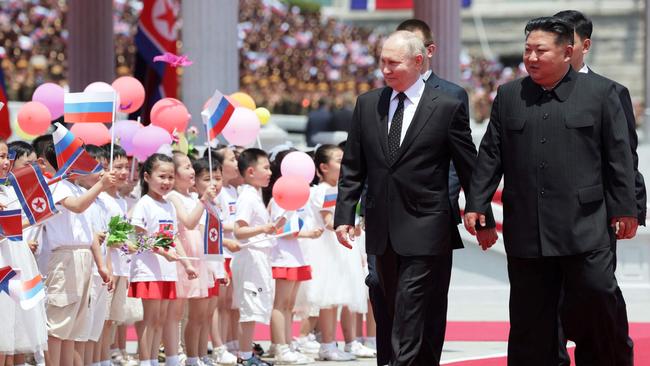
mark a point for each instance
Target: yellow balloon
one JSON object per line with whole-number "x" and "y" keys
{"x": 15, "y": 128}
{"x": 244, "y": 100}
{"x": 263, "y": 114}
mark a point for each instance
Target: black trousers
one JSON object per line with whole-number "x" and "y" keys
{"x": 623, "y": 344}
{"x": 380, "y": 311}
{"x": 588, "y": 310}
{"x": 415, "y": 289}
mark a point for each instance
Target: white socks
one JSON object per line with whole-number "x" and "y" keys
{"x": 245, "y": 355}
{"x": 191, "y": 361}
{"x": 171, "y": 360}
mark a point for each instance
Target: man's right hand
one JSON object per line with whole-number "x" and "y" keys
{"x": 345, "y": 234}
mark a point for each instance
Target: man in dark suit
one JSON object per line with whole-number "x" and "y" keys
{"x": 582, "y": 44}
{"x": 318, "y": 120}
{"x": 400, "y": 143}
{"x": 384, "y": 322}
{"x": 559, "y": 139}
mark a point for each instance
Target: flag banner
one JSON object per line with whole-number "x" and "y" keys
{"x": 71, "y": 157}
{"x": 292, "y": 226}
{"x": 5, "y": 127}
{"x": 213, "y": 236}
{"x": 217, "y": 114}
{"x": 33, "y": 193}
{"x": 6, "y": 274}
{"x": 89, "y": 107}
{"x": 27, "y": 293}
{"x": 157, "y": 34}
{"x": 330, "y": 197}
{"x": 11, "y": 224}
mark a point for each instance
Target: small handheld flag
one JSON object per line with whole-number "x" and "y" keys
{"x": 27, "y": 293}
{"x": 330, "y": 197}
{"x": 71, "y": 157}
{"x": 11, "y": 224}
{"x": 33, "y": 193}
{"x": 6, "y": 274}
{"x": 88, "y": 107}
{"x": 292, "y": 226}
{"x": 217, "y": 114}
{"x": 213, "y": 237}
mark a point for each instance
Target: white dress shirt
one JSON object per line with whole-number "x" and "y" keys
{"x": 413, "y": 95}
{"x": 584, "y": 69}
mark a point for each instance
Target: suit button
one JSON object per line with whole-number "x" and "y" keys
{"x": 542, "y": 165}
{"x": 542, "y": 192}
{"x": 543, "y": 140}
{"x": 545, "y": 116}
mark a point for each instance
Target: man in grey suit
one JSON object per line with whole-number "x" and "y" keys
{"x": 401, "y": 141}
{"x": 559, "y": 139}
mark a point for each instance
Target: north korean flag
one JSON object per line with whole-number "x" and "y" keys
{"x": 33, "y": 193}
{"x": 213, "y": 237}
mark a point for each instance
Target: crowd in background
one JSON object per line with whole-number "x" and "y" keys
{"x": 291, "y": 61}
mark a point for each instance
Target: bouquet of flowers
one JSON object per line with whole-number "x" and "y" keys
{"x": 163, "y": 239}
{"x": 120, "y": 234}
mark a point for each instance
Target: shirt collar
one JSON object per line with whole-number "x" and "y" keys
{"x": 427, "y": 75}
{"x": 414, "y": 92}
{"x": 584, "y": 69}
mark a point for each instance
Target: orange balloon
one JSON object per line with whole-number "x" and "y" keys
{"x": 131, "y": 93}
{"x": 244, "y": 100}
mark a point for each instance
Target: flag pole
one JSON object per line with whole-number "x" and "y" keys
{"x": 207, "y": 139}
{"x": 110, "y": 165}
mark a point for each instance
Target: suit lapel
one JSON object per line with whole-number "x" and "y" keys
{"x": 382, "y": 119}
{"x": 422, "y": 114}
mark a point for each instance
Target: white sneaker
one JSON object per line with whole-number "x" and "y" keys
{"x": 282, "y": 355}
{"x": 270, "y": 353}
{"x": 359, "y": 350}
{"x": 223, "y": 357}
{"x": 306, "y": 344}
{"x": 334, "y": 354}
{"x": 371, "y": 343}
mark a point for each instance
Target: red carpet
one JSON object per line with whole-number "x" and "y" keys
{"x": 486, "y": 332}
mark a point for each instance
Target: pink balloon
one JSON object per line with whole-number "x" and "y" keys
{"x": 99, "y": 86}
{"x": 34, "y": 118}
{"x": 243, "y": 127}
{"x": 170, "y": 114}
{"x": 131, "y": 93}
{"x": 298, "y": 164}
{"x": 147, "y": 140}
{"x": 124, "y": 132}
{"x": 91, "y": 133}
{"x": 291, "y": 192}
{"x": 51, "y": 95}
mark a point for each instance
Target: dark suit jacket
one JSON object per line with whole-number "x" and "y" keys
{"x": 566, "y": 162}
{"x": 319, "y": 120}
{"x": 407, "y": 201}
{"x": 459, "y": 93}
{"x": 628, "y": 109}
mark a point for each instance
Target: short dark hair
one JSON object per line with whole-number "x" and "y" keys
{"x": 118, "y": 151}
{"x": 96, "y": 152}
{"x": 44, "y": 148}
{"x": 563, "y": 31}
{"x": 21, "y": 148}
{"x": 203, "y": 165}
{"x": 581, "y": 24}
{"x": 413, "y": 25}
{"x": 249, "y": 158}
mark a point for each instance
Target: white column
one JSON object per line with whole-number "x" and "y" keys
{"x": 210, "y": 40}
{"x": 90, "y": 50}
{"x": 443, "y": 16}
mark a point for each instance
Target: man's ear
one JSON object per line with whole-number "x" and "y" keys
{"x": 249, "y": 171}
{"x": 586, "y": 46}
{"x": 568, "y": 52}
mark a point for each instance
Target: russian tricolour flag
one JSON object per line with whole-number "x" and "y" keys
{"x": 27, "y": 293}
{"x": 71, "y": 157}
{"x": 330, "y": 197}
{"x": 217, "y": 114}
{"x": 89, "y": 107}
{"x": 292, "y": 226}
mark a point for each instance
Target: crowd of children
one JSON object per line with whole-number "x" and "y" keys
{"x": 179, "y": 300}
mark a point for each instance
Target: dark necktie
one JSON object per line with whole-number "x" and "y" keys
{"x": 395, "y": 132}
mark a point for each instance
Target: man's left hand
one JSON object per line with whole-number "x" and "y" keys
{"x": 625, "y": 227}
{"x": 487, "y": 237}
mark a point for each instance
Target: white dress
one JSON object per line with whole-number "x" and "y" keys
{"x": 23, "y": 330}
{"x": 337, "y": 273}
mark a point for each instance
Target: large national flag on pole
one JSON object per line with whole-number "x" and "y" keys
{"x": 33, "y": 193}
{"x": 216, "y": 114}
{"x": 5, "y": 129}
{"x": 71, "y": 157}
{"x": 88, "y": 107}
{"x": 157, "y": 34}
{"x": 11, "y": 224}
